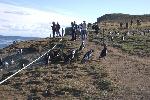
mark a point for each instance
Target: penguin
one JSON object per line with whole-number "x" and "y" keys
{"x": 103, "y": 52}
{"x": 123, "y": 38}
{"x": 12, "y": 61}
{"x": 82, "y": 46}
{"x": 21, "y": 51}
{"x": 46, "y": 93}
{"x": 6, "y": 64}
{"x": 1, "y": 61}
{"x": 22, "y": 65}
{"x": 87, "y": 56}
{"x": 70, "y": 57}
{"x": 49, "y": 59}
{"x": 112, "y": 38}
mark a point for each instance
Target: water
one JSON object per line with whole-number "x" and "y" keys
{"x": 7, "y": 40}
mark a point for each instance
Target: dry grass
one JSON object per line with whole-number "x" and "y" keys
{"x": 119, "y": 76}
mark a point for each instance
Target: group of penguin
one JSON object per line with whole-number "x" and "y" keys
{"x": 72, "y": 55}
{"x": 5, "y": 63}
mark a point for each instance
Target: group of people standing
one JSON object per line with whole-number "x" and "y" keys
{"x": 77, "y": 30}
{"x": 56, "y": 29}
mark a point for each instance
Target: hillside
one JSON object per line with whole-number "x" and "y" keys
{"x": 123, "y": 17}
{"x": 120, "y": 76}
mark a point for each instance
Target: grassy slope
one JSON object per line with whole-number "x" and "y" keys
{"x": 119, "y": 76}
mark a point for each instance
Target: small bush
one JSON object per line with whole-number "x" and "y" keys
{"x": 104, "y": 85}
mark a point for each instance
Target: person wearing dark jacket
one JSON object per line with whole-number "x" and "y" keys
{"x": 53, "y": 29}
{"x": 57, "y": 29}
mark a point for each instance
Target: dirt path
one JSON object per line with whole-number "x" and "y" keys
{"x": 130, "y": 74}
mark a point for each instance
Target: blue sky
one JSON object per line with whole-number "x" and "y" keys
{"x": 43, "y": 12}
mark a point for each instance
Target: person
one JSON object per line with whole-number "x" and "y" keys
{"x": 84, "y": 28}
{"x": 53, "y": 28}
{"x": 72, "y": 31}
{"x": 78, "y": 31}
{"x": 62, "y": 32}
{"x": 75, "y": 28}
{"x": 131, "y": 23}
{"x": 81, "y": 31}
{"x": 96, "y": 29}
{"x": 126, "y": 25}
{"x": 57, "y": 29}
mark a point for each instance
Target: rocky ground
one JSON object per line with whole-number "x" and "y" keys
{"x": 119, "y": 76}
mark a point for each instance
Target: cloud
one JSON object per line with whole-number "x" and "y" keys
{"x": 16, "y": 12}
{"x": 24, "y": 21}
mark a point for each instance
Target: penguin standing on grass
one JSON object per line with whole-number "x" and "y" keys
{"x": 103, "y": 52}
{"x": 87, "y": 56}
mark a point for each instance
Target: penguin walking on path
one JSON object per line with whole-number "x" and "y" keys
{"x": 87, "y": 56}
{"x": 103, "y": 52}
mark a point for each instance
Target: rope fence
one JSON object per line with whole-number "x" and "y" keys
{"x": 29, "y": 64}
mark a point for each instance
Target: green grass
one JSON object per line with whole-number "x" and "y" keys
{"x": 135, "y": 45}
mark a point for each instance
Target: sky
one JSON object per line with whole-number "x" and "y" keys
{"x": 33, "y": 18}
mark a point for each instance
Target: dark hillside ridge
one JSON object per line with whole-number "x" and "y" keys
{"x": 119, "y": 17}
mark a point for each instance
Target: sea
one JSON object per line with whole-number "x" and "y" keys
{"x": 7, "y": 40}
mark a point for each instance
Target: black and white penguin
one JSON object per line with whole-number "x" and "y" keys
{"x": 47, "y": 58}
{"x": 82, "y": 46}
{"x": 12, "y": 61}
{"x": 6, "y": 64}
{"x": 87, "y": 56}
{"x": 1, "y": 61}
{"x": 122, "y": 38}
{"x": 70, "y": 57}
{"x": 103, "y": 52}
{"x": 46, "y": 93}
{"x": 23, "y": 65}
{"x": 112, "y": 38}
{"x": 20, "y": 51}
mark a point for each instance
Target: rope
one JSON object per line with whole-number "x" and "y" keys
{"x": 28, "y": 64}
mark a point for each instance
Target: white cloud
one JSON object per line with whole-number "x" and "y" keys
{"x": 23, "y": 21}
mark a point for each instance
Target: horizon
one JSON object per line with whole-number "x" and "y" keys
{"x": 19, "y": 18}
